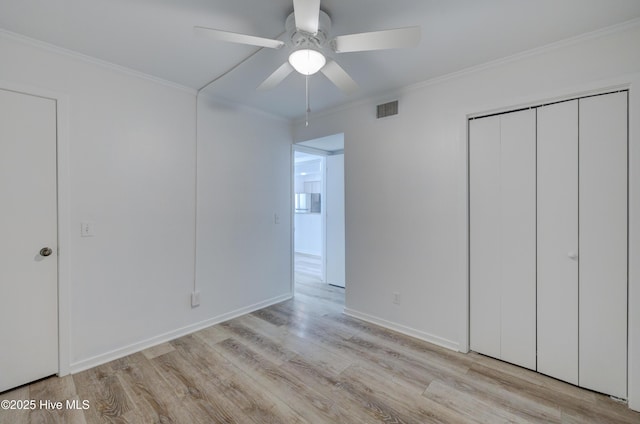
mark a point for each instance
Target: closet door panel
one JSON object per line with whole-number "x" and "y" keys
{"x": 518, "y": 237}
{"x": 484, "y": 236}
{"x": 603, "y": 243}
{"x": 557, "y": 286}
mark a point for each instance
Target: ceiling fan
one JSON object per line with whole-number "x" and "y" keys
{"x": 307, "y": 35}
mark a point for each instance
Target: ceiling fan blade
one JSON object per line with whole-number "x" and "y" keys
{"x": 307, "y": 15}
{"x": 377, "y": 40}
{"x": 339, "y": 77}
{"x": 234, "y": 37}
{"x": 276, "y": 77}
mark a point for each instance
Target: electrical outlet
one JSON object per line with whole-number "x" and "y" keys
{"x": 396, "y": 298}
{"x": 195, "y": 299}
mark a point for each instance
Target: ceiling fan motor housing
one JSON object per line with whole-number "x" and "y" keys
{"x": 301, "y": 39}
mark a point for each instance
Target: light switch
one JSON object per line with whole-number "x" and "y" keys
{"x": 276, "y": 218}
{"x": 87, "y": 229}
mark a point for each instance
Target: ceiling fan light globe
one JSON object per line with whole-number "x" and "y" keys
{"x": 307, "y": 61}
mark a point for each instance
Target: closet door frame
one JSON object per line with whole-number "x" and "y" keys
{"x": 630, "y": 82}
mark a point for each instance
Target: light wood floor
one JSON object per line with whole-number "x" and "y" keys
{"x": 308, "y": 268}
{"x": 303, "y": 361}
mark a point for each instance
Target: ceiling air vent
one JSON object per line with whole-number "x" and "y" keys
{"x": 387, "y": 109}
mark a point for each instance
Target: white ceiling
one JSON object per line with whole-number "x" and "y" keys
{"x": 156, "y": 37}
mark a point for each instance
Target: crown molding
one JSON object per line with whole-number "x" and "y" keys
{"x": 536, "y": 51}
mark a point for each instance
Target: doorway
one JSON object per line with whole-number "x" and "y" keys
{"x": 29, "y": 228}
{"x": 319, "y": 212}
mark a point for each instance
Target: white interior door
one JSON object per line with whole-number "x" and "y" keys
{"x": 335, "y": 217}
{"x": 28, "y": 279}
{"x": 603, "y": 243}
{"x": 557, "y": 267}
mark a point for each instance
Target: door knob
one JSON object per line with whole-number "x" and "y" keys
{"x": 46, "y": 251}
{"x": 573, "y": 255}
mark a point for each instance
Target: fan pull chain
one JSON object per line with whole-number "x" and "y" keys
{"x": 306, "y": 81}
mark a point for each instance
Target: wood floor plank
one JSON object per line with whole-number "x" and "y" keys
{"x": 533, "y": 377}
{"x": 304, "y": 400}
{"x": 308, "y": 325}
{"x": 592, "y": 409}
{"x": 58, "y": 390}
{"x": 264, "y": 327}
{"x": 108, "y": 401}
{"x": 472, "y": 407}
{"x": 259, "y": 405}
{"x": 201, "y": 393}
{"x": 13, "y": 414}
{"x": 206, "y": 360}
{"x": 416, "y": 407}
{"x": 407, "y": 343}
{"x": 155, "y": 351}
{"x": 295, "y": 345}
{"x": 356, "y": 401}
{"x": 151, "y": 393}
{"x": 273, "y": 316}
{"x": 212, "y": 335}
{"x": 263, "y": 344}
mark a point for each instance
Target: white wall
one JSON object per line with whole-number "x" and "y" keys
{"x": 409, "y": 234}
{"x": 244, "y": 179}
{"x": 131, "y": 162}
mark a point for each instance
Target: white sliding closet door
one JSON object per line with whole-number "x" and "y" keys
{"x": 485, "y": 249}
{"x": 603, "y": 243}
{"x": 502, "y": 236}
{"x": 518, "y": 237}
{"x": 557, "y": 290}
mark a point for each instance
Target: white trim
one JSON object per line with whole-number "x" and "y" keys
{"x": 412, "y": 332}
{"x": 292, "y": 228}
{"x": 63, "y": 211}
{"x": 311, "y": 150}
{"x": 172, "y": 335}
{"x": 93, "y": 60}
{"x": 323, "y": 219}
{"x": 464, "y": 239}
{"x": 393, "y": 93}
{"x": 633, "y": 354}
{"x": 591, "y": 89}
{"x": 64, "y": 236}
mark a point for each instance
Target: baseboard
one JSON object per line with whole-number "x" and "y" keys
{"x": 171, "y": 335}
{"x": 403, "y": 329}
